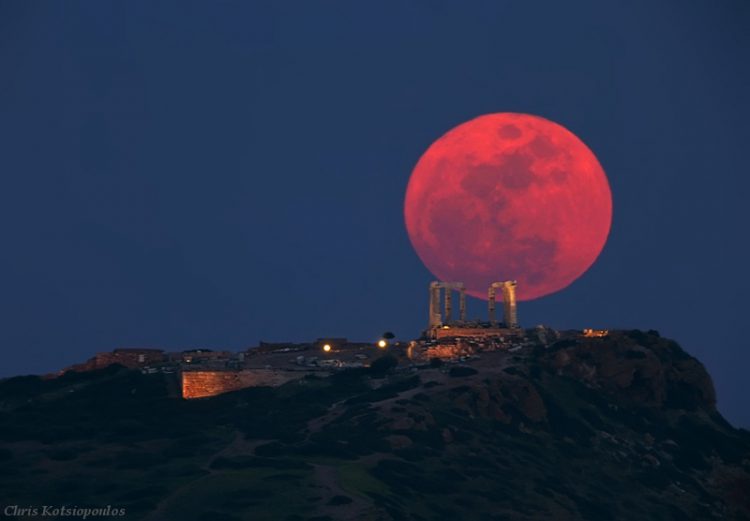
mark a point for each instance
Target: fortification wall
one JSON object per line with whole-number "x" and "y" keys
{"x": 201, "y": 384}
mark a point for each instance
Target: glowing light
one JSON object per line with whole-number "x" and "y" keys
{"x": 382, "y": 344}
{"x": 327, "y": 348}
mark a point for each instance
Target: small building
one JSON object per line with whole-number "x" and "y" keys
{"x": 129, "y": 357}
{"x": 198, "y": 356}
{"x": 595, "y": 333}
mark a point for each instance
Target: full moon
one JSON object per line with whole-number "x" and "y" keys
{"x": 508, "y": 196}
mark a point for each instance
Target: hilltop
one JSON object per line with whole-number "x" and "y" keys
{"x": 622, "y": 427}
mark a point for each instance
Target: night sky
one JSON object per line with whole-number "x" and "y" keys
{"x": 211, "y": 174}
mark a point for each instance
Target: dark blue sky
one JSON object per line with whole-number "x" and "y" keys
{"x": 210, "y": 174}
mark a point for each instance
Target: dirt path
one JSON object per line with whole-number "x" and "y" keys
{"x": 238, "y": 445}
{"x": 334, "y": 411}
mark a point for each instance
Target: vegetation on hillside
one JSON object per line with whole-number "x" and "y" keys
{"x": 620, "y": 428}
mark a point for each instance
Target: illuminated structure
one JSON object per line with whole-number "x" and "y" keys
{"x": 441, "y": 324}
{"x": 510, "y": 314}
{"x": 436, "y": 317}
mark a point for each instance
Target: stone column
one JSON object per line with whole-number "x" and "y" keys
{"x": 448, "y": 304}
{"x": 434, "y": 304}
{"x": 509, "y": 300}
{"x": 491, "y": 304}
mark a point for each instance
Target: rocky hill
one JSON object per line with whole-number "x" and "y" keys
{"x": 623, "y": 427}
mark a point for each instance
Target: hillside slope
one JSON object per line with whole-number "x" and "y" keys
{"x": 617, "y": 428}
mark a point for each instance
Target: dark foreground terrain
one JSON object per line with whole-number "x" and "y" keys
{"x": 617, "y": 428}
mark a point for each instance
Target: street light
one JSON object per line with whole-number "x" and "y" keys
{"x": 327, "y": 348}
{"x": 382, "y": 344}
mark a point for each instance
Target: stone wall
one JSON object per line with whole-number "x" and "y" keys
{"x": 474, "y": 332}
{"x": 201, "y": 384}
{"x": 449, "y": 351}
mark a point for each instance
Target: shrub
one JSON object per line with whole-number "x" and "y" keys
{"x": 270, "y": 449}
{"x": 5, "y": 454}
{"x": 339, "y": 500}
{"x": 462, "y": 371}
{"x": 383, "y": 365}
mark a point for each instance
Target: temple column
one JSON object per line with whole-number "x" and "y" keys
{"x": 434, "y": 305}
{"x": 509, "y": 300}
{"x": 491, "y": 304}
{"x": 448, "y": 305}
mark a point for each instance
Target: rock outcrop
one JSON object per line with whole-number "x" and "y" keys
{"x": 644, "y": 369}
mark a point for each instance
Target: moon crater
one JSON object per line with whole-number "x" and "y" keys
{"x": 508, "y": 196}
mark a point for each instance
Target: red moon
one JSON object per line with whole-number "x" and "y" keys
{"x": 508, "y": 197}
